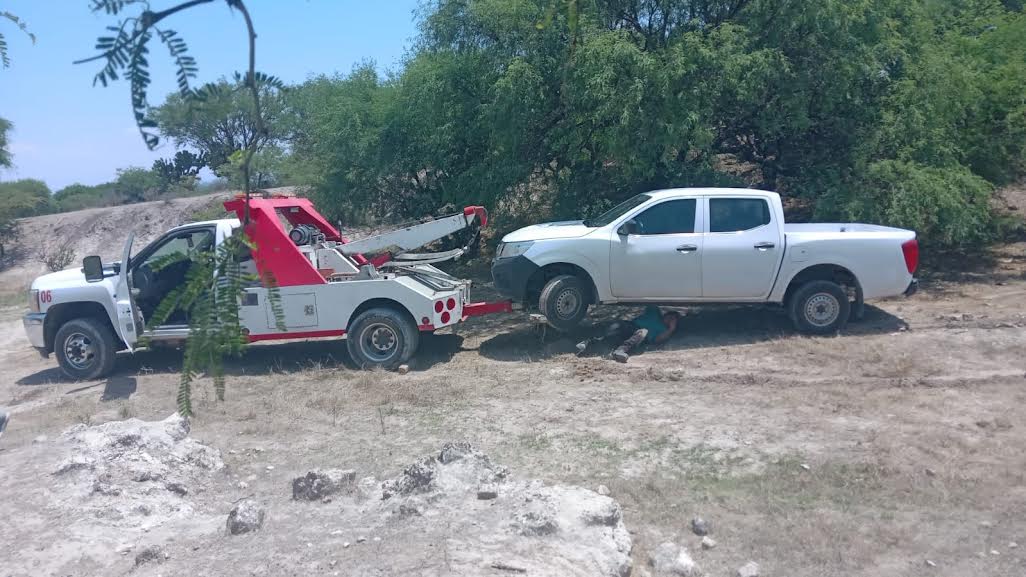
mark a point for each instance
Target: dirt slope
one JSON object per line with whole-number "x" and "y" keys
{"x": 99, "y": 231}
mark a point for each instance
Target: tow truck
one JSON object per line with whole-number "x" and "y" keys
{"x": 374, "y": 292}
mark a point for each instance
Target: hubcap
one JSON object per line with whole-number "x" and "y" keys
{"x": 79, "y": 350}
{"x": 567, "y": 304}
{"x": 822, "y": 309}
{"x": 379, "y": 342}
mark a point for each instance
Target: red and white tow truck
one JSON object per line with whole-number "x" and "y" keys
{"x": 374, "y": 291}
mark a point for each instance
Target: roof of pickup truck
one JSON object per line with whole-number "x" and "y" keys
{"x": 707, "y": 192}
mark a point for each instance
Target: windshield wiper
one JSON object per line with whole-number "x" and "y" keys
{"x": 586, "y": 222}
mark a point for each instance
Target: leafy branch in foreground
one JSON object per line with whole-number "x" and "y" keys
{"x": 4, "y": 58}
{"x": 214, "y": 282}
{"x": 210, "y": 297}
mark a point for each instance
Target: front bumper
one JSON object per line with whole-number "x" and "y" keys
{"x": 511, "y": 276}
{"x": 913, "y": 287}
{"x": 34, "y": 329}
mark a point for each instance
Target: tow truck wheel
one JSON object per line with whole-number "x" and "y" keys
{"x": 85, "y": 349}
{"x": 820, "y": 307}
{"x": 382, "y": 338}
{"x": 564, "y": 302}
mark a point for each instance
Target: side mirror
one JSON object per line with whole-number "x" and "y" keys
{"x": 92, "y": 266}
{"x": 628, "y": 228}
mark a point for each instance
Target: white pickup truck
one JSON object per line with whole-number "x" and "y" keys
{"x": 705, "y": 245}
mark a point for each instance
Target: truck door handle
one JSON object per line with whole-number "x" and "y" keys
{"x": 687, "y": 248}
{"x": 764, "y": 245}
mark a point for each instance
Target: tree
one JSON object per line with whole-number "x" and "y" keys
{"x": 18, "y": 199}
{"x": 182, "y": 170}
{"x": 135, "y": 184}
{"x": 222, "y": 123}
{"x": 5, "y": 155}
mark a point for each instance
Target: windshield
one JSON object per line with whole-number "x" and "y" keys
{"x": 617, "y": 211}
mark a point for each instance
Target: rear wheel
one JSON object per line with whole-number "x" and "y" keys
{"x": 820, "y": 307}
{"x": 564, "y": 302}
{"x": 382, "y": 338}
{"x": 85, "y": 349}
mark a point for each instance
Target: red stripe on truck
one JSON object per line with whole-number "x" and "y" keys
{"x": 296, "y": 335}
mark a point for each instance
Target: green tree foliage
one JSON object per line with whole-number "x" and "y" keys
{"x": 892, "y": 111}
{"x": 5, "y": 59}
{"x": 18, "y": 199}
{"x": 5, "y": 154}
{"x": 223, "y": 123}
{"x": 26, "y": 197}
{"x": 180, "y": 171}
{"x": 136, "y": 184}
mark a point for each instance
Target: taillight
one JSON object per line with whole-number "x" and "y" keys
{"x": 450, "y": 304}
{"x": 445, "y": 318}
{"x": 439, "y": 306}
{"x": 910, "y": 249}
{"x": 34, "y": 301}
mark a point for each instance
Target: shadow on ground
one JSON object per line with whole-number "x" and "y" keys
{"x": 701, "y": 328}
{"x": 259, "y": 359}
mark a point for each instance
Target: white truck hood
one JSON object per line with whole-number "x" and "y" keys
{"x": 549, "y": 230}
{"x": 68, "y": 278}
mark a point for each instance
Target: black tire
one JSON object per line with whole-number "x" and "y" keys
{"x": 820, "y": 307}
{"x": 564, "y": 302}
{"x": 86, "y": 348}
{"x": 382, "y": 338}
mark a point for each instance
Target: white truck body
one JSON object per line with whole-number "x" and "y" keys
{"x": 713, "y": 246}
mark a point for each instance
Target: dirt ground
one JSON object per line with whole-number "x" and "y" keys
{"x": 895, "y": 448}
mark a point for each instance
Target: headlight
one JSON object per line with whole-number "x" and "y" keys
{"x": 512, "y": 249}
{"x": 34, "y": 300}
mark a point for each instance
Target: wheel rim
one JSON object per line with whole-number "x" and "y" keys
{"x": 567, "y": 304}
{"x": 822, "y": 309}
{"x": 379, "y": 342}
{"x": 79, "y": 351}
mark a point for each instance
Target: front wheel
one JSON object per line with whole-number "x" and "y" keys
{"x": 85, "y": 349}
{"x": 382, "y": 338}
{"x": 564, "y": 302}
{"x": 820, "y": 307}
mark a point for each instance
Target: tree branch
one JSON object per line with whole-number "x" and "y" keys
{"x": 148, "y": 19}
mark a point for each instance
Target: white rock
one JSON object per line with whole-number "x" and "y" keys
{"x": 805, "y": 466}
{"x": 708, "y": 542}
{"x": 270, "y": 467}
{"x": 930, "y": 563}
{"x": 670, "y": 559}
{"x": 995, "y": 552}
{"x": 1013, "y": 545}
{"x": 376, "y": 539}
{"x": 603, "y": 490}
{"x": 346, "y": 545}
{"x": 361, "y": 539}
{"x": 749, "y": 569}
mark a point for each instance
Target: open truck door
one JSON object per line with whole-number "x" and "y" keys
{"x": 130, "y": 324}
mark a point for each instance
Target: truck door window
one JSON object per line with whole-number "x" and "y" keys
{"x": 670, "y": 217}
{"x": 737, "y": 214}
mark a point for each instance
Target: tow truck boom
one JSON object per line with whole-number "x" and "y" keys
{"x": 418, "y": 235}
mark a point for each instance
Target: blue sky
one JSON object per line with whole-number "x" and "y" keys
{"x": 67, "y": 131}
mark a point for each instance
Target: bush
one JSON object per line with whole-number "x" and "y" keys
{"x": 945, "y": 206}
{"x": 58, "y": 258}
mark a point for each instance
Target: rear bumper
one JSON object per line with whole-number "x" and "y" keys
{"x": 511, "y": 276}
{"x": 913, "y": 288}
{"x": 34, "y": 323}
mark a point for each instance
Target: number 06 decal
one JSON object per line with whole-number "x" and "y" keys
{"x": 45, "y": 296}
